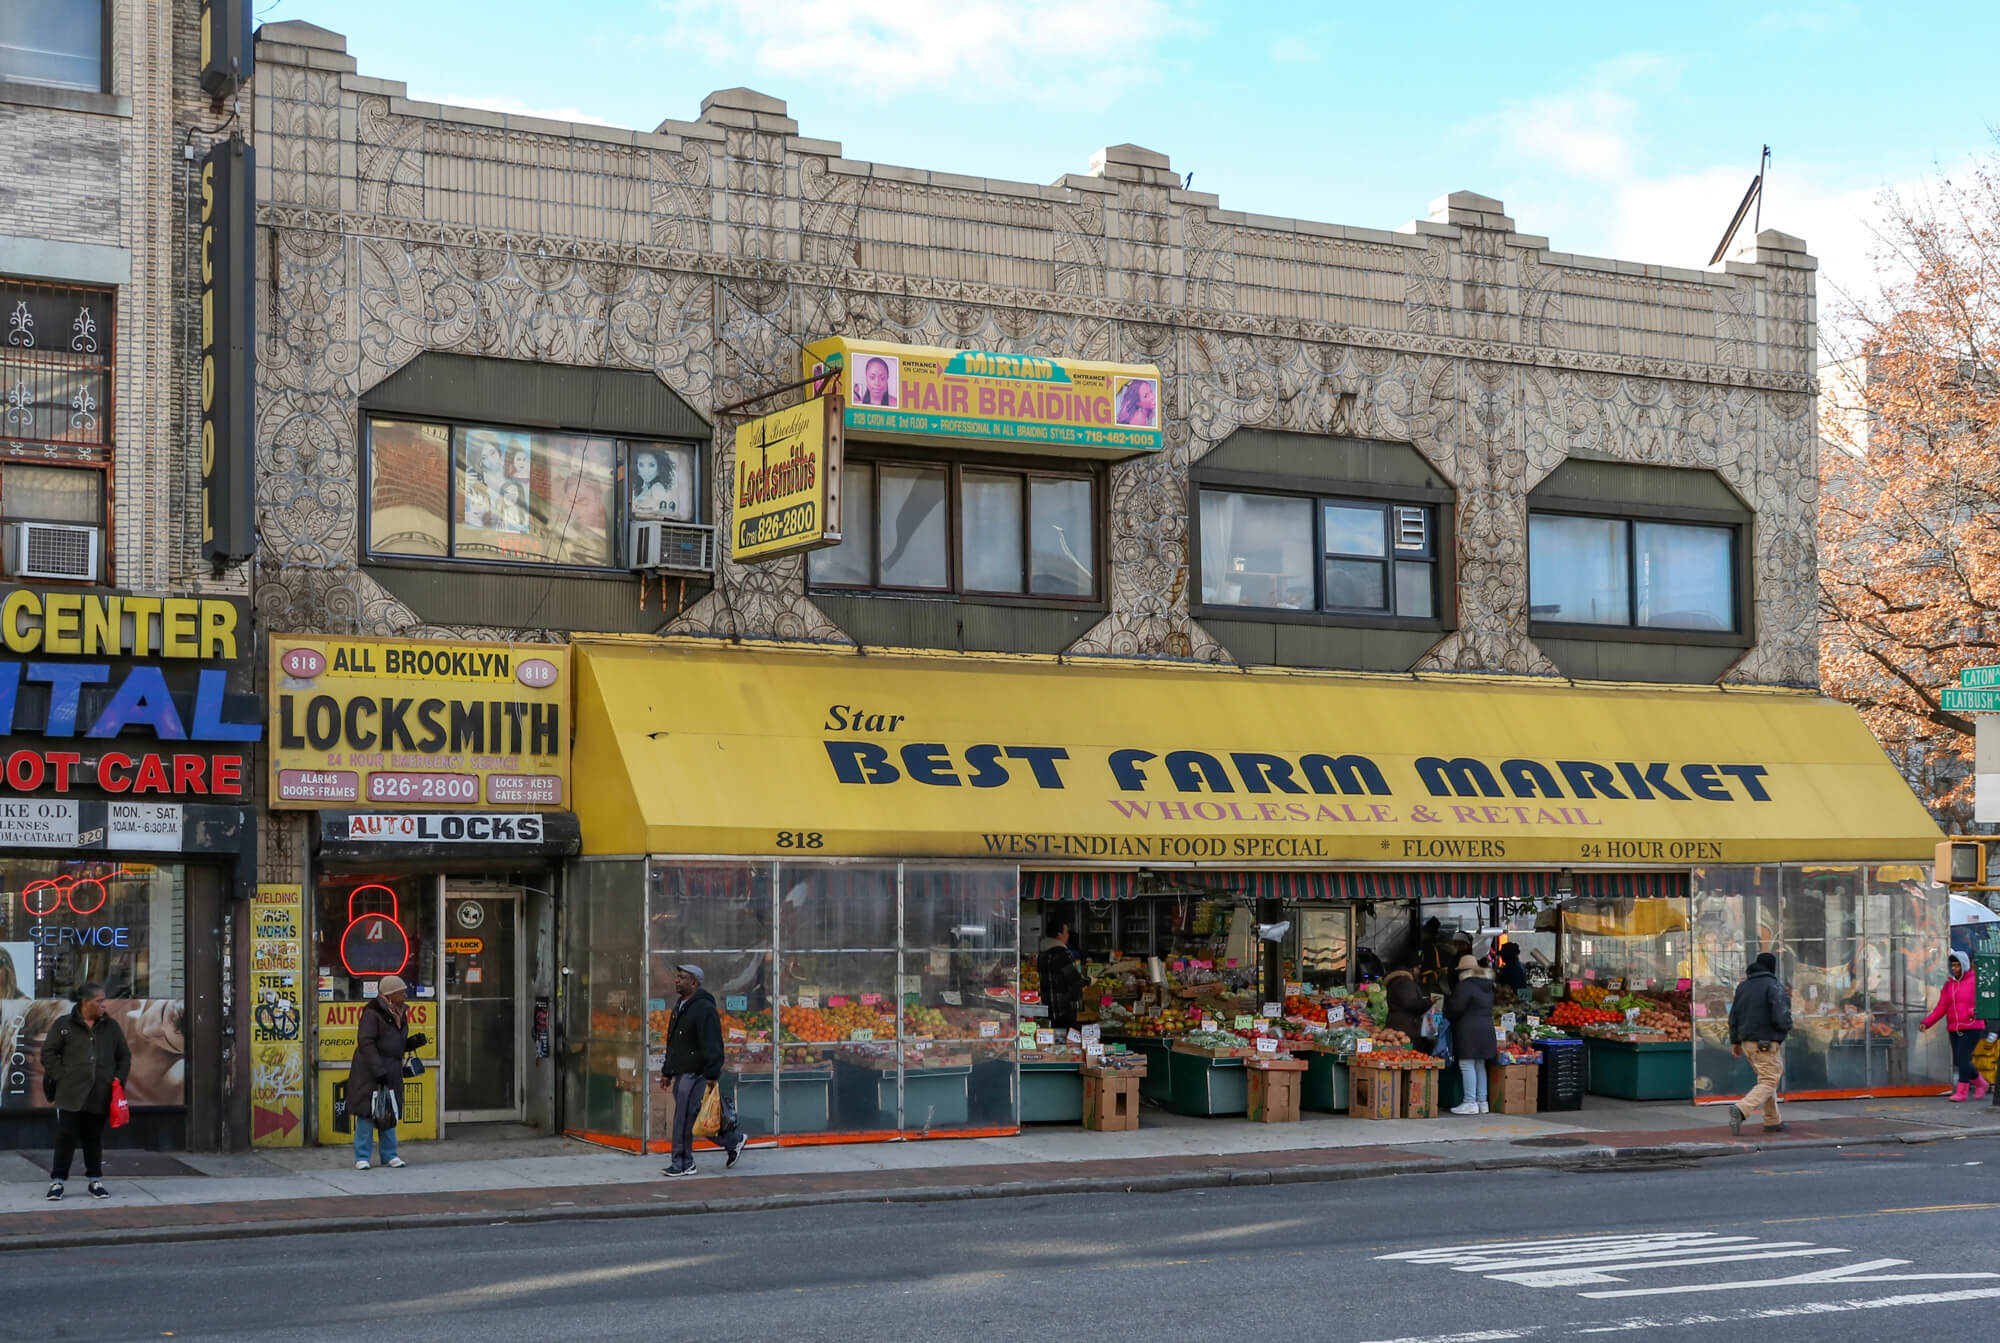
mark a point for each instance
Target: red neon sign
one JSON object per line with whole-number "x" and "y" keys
{"x": 44, "y": 897}
{"x": 373, "y": 938}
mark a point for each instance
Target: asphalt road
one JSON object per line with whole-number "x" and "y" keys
{"x": 1860, "y": 1244}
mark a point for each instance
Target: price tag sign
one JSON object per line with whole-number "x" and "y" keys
{"x": 1209, "y": 1024}
{"x": 1073, "y": 1038}
{"x": 1092, "y": 1034}
{"x": 1506, "y": 1021}
{"x": 1243, "y": 1022}
{"x": 836, "y": 1000}
{"x": 869, "y": 1000}
{"x": 809, "y": 1001}
{"x": 1576, "y": 986}
{"x": 1534, "y": 1022}
{"x": 1701, "y": 1011}
{"x": 1364, "y": 1046}
{"x": 988, "y": 1029}
{"x": 1500, "y": 1035}
{"x": 1092, "y": 1049}
{"x": 861, "y": 1037}
{"x": 1274, "y": 1009}
{"x": 1590, "y": 975}
{"x": 1267, "y": 1046}
{"x": 1618, "y": 986}
{"x": 1683, "y": 986}
{"x": 737, "y": 1002}
{"x": 1045, "y": 1037}
{"x": 952, "y": 998}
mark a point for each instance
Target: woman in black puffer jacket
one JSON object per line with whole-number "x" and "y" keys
{"x": 1470, "y": 1011}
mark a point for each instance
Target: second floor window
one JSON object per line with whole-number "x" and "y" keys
{"x": 55, "y": 43}
{"x": 1338, "y": 556}
{"x": 1624, "y": 572}
{"x": 482, "y": 493}
{"x": 55, "y": 365}
{"x": 975, "y": 529}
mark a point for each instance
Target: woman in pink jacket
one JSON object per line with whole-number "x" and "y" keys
{"x": 1955, "y": 1006}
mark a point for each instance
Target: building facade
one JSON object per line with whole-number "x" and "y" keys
{"x": 1383, "y": 571}
{"x": 128, "y": 846}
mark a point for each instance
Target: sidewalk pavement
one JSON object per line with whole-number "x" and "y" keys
{"x": 474, "y": 1180}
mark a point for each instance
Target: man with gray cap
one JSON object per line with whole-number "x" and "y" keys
{"x": 1759, "y": 1021}
{"x": 693, "y": 1065}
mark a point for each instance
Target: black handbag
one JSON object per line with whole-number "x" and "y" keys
{"x": 413, "y": 1066}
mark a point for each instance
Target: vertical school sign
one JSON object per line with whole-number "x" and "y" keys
{"x": 228, "y": 350}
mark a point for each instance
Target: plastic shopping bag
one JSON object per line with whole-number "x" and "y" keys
{"x": 121, "y": 1109}
{"x": 1986, "y": 1057}
{"x": 709, "y": 1122}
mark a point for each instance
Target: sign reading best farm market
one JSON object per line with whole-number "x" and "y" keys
{"x": 981, "y": 398}
{"x": 418, "y": 723}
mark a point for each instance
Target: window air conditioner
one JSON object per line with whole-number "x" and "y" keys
{"x": 1412, "y": 529}
{"x": 52, "y": 550}
{"x": 676, "y": 547}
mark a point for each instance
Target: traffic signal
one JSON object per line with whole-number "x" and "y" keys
{"x": 1961, "y": 863}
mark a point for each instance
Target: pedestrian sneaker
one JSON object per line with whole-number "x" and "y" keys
{"x": 736, "y": 1148}
{"x": 98, "y": 1191}
{"x": 669, "y": 1170}
{"x": 1777, "y": 1128}
{"x": 361, "y": 1165}
{"x": 1468, "y": 1108}
{"x": 1735, "y": 1122}
{"x": 395, "y": 1163}
{"x": 55, "y": 1192}
{"x": 1482, "y": 1108}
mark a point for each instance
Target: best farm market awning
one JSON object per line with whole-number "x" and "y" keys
{"x": 691, "y": 747}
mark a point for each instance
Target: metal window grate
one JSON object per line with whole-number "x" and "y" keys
{"x": 56, "y": 357}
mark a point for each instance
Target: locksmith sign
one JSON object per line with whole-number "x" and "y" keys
{"x": 418, "y": 724}
{"x": 121, "y": 696}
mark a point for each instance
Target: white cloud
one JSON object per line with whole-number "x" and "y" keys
{"x": 1578, "y": 167}
{"x": 1023, "y": 48}
{"x": 512, "y": 106}
{"x": 1821, "y": 22}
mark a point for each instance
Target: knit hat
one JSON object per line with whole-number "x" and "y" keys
{"x": 391, "y": 984}
{"x": 1765, "y": 961}
{"x": 694, "y": 970}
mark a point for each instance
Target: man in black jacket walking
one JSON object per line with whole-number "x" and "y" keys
{"x": 1759, "y": 1021}
{"x": 693, "y": 1065}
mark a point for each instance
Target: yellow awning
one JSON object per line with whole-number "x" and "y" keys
{"x": 696, "y": 747}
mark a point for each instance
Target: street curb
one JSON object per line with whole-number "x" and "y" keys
{"x": 1594, "y": 1157}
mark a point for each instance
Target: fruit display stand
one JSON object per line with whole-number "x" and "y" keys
{"x": 1201, "y": 1081}
{"x": 1051, "y": 1090}
{"x": 1377, "y": 1092}
{"x": 1325, "y": 1086}
{"x": 1274, "y": 1088}
{"x": 1636, "y": 1069}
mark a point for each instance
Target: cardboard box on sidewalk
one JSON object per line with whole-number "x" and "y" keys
{"x": 1420, "y": 1093}
{"x": 1513, "y": 1088}
{"x": 1274, "y": 1090}
{"x": 1111, "y": 1099}
{"x": 1373, "y": 1093}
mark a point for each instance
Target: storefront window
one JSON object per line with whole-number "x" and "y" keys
{"x": 373, "y": 926}
{"x": 64, "y": 924}
{"x": 716, "y": 916}
{"x": 1863, "y": 951}
{"x": 604, "y": 1068}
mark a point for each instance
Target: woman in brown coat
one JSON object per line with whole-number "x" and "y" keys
{"x": 380, "y": 1041}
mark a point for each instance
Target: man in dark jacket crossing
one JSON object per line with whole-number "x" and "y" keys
{"x": 694, "y": 1064}
{"x": 85, "y": 1052}
{"x": 1759, "y": 1021}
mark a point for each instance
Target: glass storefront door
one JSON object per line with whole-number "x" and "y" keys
{"x": 484, "y": 1025}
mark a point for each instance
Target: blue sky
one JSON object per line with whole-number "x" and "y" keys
{"x": 1620, "y": 130}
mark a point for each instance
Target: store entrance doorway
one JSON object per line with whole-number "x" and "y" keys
{"x": 485, "y": 1026}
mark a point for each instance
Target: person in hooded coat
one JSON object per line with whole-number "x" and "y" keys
{"x": 1955, "y": 1007}
{"x": 1470, "y": 1011}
